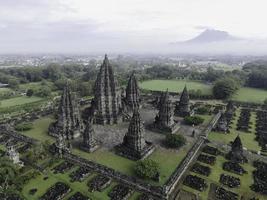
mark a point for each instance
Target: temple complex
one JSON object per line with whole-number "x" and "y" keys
{"x": 164, "y": 120}
{"x": 69, "y": 123}
{"x": 236, "y": 153}
{"x": 132, "y": 93}
{"x": 183, "y": 107}
{"x": 89, "y": 143}
{"x": 134, "y": 145}
{"x": 107, "y": 96}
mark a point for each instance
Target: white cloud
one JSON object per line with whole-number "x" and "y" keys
{"x": 126, "y": 23}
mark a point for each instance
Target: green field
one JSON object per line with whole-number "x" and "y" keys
{"x": 42, "y": 185}
{"x": 250, "y": 95}
{"x": 244, "y": 94}
{"x": 175, "y": 85}
{"x": 214, "y": 177}
{"x": 16, "y": 101}
{"x": 168, "y": 160}
{"x": 248, "y": 139}
{"x": 5, "y": 90}
{"x": 40, "y": 129}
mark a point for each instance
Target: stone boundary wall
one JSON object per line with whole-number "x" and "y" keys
{"x": 190, "y": 157}
{"x": 155, "y": 191}
{"x": 4, "y": 129}
{"x": 27, "y": 116}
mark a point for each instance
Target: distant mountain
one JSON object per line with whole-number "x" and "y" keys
{"x": 213, "y": 41}
{"x": 210, "y": 36}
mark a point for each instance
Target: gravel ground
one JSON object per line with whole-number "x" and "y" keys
{"x": 112, "y": 135}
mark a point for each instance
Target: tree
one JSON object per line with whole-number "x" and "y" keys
{"x": 8, "y": 173}
{"x": 193, "y": 120}
{"x": 13, "y": 83}
{"x": 29, "y": 92}
{"x": 44, "y": 91}
{"x": 24, "y": 126}
{"x": 175, "y": 141}
{"x": 147, "y": 168}
{"x": 225, "y": 88}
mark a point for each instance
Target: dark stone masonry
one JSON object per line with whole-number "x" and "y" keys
{"x": 133, "y": 93}
{"x": 89, "y": 143}
{"x": 236, "y": 153}
{"x": 107, "y": 96}
{"x": 164, "y": 120}
{"x": 182, "y": 109}
{"x": 69, "y": 123}
{"x": 134, "y": 145}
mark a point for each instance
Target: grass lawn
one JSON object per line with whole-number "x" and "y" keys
{"x": 42, "y": 186}
{"x": 175, "y": 85}
{"x": 207, "y": 118}
{"x": 244, "y": 94}
{"x": 214, "y": 177}
{"x": 4, "y": 89}
{"x": 168, "y": 160}
{"x": 248, "y": 139}
{"x": 40, "y": 128}
{"x": 18, "y": 101}
{"x": 247, "y": 94}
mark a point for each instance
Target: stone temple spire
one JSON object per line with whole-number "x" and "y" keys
{"x": 164, "y": 120}
{"x": 132, "y": 93}
{"x": 89, "y": 143}
{"x": 134, "y": 145}
{"x": 183, "y": 108}
{"x": 236, "y": 153}
{"x": 69, "y": 123}
{"x": 107, "y": 100}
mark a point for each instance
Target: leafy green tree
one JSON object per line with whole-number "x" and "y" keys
{"x": 8, "y": 174}
{"x": 147, "y": 168}
{"x": 175, "y": 141}
{"x": 29, "y": 92}
{"x": 13, "y": 83}
{"x": 193, "y": 120}
{"x": 44, "y": 91}
{"x": 24, "y": 126}
{"x": 225, "y": 88}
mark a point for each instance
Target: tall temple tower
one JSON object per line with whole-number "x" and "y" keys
{"x": 69, "y": 123}
{"x": 132, "y": 93}
{"x": 164, "y": 120}
{"x": 183, "y": 107}
{"x": 134, "y": 145}
{"x": 107, "y": 100}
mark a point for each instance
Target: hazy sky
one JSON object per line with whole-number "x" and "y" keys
{"x": 121, "y": 25}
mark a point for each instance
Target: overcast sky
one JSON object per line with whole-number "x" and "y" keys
{"x": 121, "y": 25}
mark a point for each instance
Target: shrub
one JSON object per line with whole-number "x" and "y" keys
{"x": 196, "y": 120}
{"x": 147, "y": 168}
{"x": 25, "y": 126}
{"x": 225, "y": 88}
{"x": 175, "y": 141}
{"x": 202, "y": 110}
{"x": 29, "y": 92}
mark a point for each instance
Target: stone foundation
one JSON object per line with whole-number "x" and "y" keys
{"x": 165, "y": 129}
{"x": 124, "y": 151}
{"x": 89, "y": 149}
